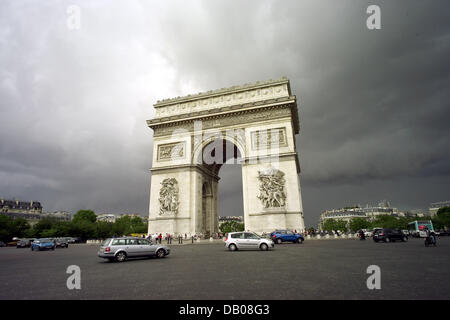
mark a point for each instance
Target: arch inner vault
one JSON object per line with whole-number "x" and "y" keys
{"x": 254, "y": 126}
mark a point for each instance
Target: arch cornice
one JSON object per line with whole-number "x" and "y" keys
{"x": 226, "y": 118}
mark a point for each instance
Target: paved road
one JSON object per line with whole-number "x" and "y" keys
{"x": 322, "y": 269}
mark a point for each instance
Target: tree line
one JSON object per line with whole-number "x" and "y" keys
{"x": 84, "y": 225}
{"x": 440, "y": 221}
{"x": 231, "y": 226}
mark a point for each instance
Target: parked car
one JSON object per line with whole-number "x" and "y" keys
{"x": 2, "y": 244}
{"x": 389, "y": 235}
{"x": 247, "y": 240}
{"x": 122, "y": 248}
{"x": 13, "y": 243}
{"x": 43, "y": 244}
{"x": 70, "y": 240}
{"x": 280, "y": 236}
{"x": 24, "y": 243}
{"x": 61, "y": 243}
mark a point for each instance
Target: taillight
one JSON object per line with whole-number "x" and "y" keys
{"x": 381, "y": 234}
{"x": 107, "y": 249}
{"x": 226, "y": 239}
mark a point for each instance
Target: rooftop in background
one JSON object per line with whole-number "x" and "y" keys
{"x": 17, "y": 205}
{"x": 440, "y": 204}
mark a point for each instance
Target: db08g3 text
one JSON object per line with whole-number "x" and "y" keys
{"x": 246, "y": 309}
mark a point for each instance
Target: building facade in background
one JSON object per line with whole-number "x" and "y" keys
{"x": 110, "y": 217}
{"x": 106, "y": 217}
{"x": 32, "y": 211}
{"x": 368, "y": 212}
{"x": 435, "y": 206}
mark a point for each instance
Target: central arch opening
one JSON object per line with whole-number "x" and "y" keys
{"x": 224, "y": 157}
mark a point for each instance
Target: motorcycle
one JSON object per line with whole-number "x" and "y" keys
{"x": 430, "y": 240}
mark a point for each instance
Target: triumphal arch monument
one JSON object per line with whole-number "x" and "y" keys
{"x": 253, "y": 126}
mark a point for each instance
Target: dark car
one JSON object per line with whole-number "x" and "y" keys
{"x": 280, "y": 236}
{"x": 389, "y": 235}
{"x": 61, "y": 243}
{"x": 2, "y": 244}
{"x": 24, "y": 243}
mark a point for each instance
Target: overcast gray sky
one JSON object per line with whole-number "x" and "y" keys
{"x": 374, "y": 105}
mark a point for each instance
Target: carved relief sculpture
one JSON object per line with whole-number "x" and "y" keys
{"x": 168, "y": 197}
{"x": 171, "y": 151}
{"x": 271, "y": 138}
{"x": 271, "y": 190}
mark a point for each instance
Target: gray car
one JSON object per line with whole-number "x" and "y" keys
{"x": 120, "y": 249}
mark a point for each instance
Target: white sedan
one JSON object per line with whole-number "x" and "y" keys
{"x": 247, "y": 240}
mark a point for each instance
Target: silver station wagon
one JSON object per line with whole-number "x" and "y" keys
{"x": 120, "y": 249}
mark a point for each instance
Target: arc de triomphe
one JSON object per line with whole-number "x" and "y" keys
{"x": 252, "y": 125}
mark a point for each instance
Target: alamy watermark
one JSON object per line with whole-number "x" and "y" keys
{"x": 374, "y": 280}
{"x": 373, "y": 22}
{"x": 74, "y": 280}
{"x": 73, "y": 21}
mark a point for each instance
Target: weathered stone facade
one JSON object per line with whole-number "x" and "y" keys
{"x": 257, "y": 123}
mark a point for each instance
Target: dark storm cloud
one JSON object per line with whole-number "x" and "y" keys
{"x": 374, "y": 105}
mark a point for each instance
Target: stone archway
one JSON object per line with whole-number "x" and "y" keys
{"x": 191, "y": 138}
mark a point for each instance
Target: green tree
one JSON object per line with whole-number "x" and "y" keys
{"x": 104, "y": 229}
{"x": 41, "y": 227}
{"x": 11, "y": 227}
{"x": 84, "y": 215}
{"x": 138, "y": 226}
{"x": 19, "y": 227}
{"x": 231, "y": 226}
{"x": 5, "y": 228}
{"x": 385, "y": 221}
{"x": 122, "y": 226}
{"x": 443, "y": 215}
{"x": 83, "y": 229}
{"x": 356, "y": 224}
{"x": 334, "y": 225}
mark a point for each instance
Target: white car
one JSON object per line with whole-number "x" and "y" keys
{"x": 368, "y": 233}
{"x": 247, "y": 240}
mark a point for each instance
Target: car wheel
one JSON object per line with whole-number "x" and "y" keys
{"x": 404, "y": 239}
{"x": 264, "y": 247}
{"x": 387, "y": 239}
{"x": 232, "y": 247}
{"x": 121, "y": 256}
{"x": 299, "y": 240}
{"x": 53, "y": 248}
{"x": 160, "y": 253}
{"x": 279, "y": 241}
